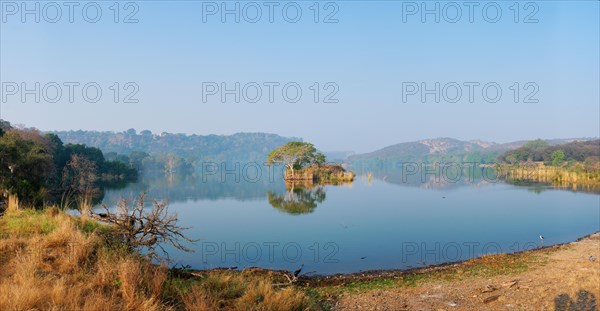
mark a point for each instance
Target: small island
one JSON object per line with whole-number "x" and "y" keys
{"x": 305, "y": 164}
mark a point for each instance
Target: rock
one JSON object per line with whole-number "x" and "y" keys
{"x": 491, "y": 298}
{"x": 510, "y": 284}
{"x": 489, "y": 289}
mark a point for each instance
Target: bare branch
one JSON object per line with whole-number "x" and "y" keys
{"x": 149, "y": 229}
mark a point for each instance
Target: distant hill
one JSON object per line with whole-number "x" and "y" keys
{"x": 337, "y": 156}
{"x": 443, "y": 150}
{"x": 242, "y": 147}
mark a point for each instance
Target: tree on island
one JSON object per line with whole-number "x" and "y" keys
{"x": 296, "y": 155}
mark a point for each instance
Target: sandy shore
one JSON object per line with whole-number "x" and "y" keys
{"x": 562, "y": 277}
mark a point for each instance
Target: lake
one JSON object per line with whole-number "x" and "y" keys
{"x": 372, "y": 224}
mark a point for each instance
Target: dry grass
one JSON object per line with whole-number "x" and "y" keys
{"x": 52, "y": 261}
{"x": 229, "y": 290}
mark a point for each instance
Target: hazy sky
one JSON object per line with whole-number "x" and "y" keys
{"x": 369, "y": 55}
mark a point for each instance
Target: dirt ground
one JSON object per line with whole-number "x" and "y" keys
{"x": 562, "y": 279}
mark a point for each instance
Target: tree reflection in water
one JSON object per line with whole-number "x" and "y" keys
{"x": 298, "y": 199}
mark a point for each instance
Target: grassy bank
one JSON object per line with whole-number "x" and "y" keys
{"x": 575, "y": 177}
{"x": 52, "y": 261}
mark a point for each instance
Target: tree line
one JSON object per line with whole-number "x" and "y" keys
{"x": 577, "y": 153}
{"x": 240, "y": 147}
{"x": 38, "y": 168}
{"x": 160, "y": 163}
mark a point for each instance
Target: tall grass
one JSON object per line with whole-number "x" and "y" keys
{"x": 53, "y": 261}
{"x": 553, "y": 175}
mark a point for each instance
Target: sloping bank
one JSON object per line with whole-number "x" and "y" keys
{"x": 560, "y": 277}
{"x": 54, "y": 261}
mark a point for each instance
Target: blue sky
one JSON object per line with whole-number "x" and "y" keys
{"x": 368, "y": 54}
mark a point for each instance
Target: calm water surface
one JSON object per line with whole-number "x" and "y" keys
{"x": 368, "y": 225}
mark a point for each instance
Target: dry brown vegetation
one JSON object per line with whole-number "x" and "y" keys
{"x": 53, "y": 261}
{"x": 562, "y": 177}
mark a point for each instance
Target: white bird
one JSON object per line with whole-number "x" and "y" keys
{"x": 542, "y": 240}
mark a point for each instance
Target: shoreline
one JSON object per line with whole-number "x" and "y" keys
{"x": 559, "y": 277}
{"x": 368, "y": 275}
{"x": 48, "y": 253}
{"x": 551, "y": 277}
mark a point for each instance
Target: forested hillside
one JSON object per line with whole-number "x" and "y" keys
{"x": 218, "y": 148}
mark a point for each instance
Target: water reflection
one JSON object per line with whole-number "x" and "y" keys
{"x": 441, "y": 177}
{"x": 297, "y": 199}
{"x": 303, "y": 198}
{"x": 371, "y": 222}
{"x": 191, "y": 187}
{"x": 436, "y": 177}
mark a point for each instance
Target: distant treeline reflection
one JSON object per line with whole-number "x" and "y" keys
{"x": 535, "y": 176}
{"x": 180, "y": 187}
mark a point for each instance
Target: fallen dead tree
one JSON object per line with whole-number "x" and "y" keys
{"x": 147, "y": 228}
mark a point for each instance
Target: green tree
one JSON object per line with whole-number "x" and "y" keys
{"x": 320, "y": 159}
{"x": 4, "y": 127}
{"x": 295, "y": 155}
{"x": 25, "y": 168}
{"x": 558, "y": 157}
{"x": 37, "y": 167}
{"x": 136, "y": 158}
